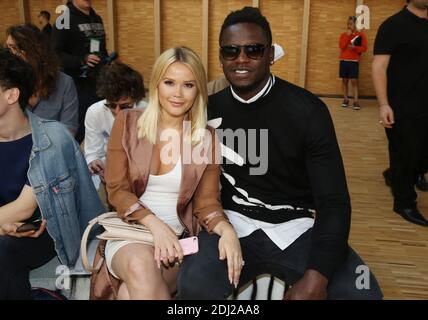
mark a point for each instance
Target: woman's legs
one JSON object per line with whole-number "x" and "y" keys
{"x": 355, "y": 88}
{"x": 136, "y": 266}
{"x": 345, "y": 82}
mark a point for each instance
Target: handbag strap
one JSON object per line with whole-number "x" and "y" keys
{"x": 84, "y": 243}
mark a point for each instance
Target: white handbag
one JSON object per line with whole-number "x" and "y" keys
{"x": 115, "y": 229}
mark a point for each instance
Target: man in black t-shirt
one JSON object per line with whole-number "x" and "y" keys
{"x": 44, "y": 18}
{"x": 20, "y": 252}
{"x": 281, "y": 164}
{"x": 82, "y": 51}
{"x": 400, "y": 75}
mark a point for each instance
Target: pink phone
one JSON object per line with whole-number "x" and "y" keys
{"x": 189, "y": 245}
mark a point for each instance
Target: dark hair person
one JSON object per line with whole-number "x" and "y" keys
{"x": 54, "y": 96}
{"x": 119, "y": 80}
{"x": 271, "y": 204}
{"x": 41, "y": 215}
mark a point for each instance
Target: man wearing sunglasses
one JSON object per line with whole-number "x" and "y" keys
{"x": 220, "y": 83}
{"x": 273, "y": 213}
{"x": 123, "y": 88}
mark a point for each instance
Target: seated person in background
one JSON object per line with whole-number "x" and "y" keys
{"x": 152, "y": 182}
{"x": 123, "y": 88}
{"x": 55, "y": 96}
{"x": 221, "y": 82}
{"x": 43, "y": 177}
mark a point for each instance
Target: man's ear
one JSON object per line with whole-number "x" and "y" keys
{"x": 13, "y": 96}
{"x": 219, "y": 60}
{"x": 272, "y": 54}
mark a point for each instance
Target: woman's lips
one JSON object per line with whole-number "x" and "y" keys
{"x": 176, "y": 104}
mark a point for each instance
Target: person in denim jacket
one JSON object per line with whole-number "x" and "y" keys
{"x": 43, "y": 177}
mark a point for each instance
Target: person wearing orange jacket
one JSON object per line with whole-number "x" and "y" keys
{"x": 352, "y": 44}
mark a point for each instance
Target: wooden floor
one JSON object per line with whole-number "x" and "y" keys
{"x": 394, "y": 249}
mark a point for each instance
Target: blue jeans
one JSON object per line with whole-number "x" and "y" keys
{"x": 204, "y": 276}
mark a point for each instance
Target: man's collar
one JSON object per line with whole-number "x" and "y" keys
{"x": 412, "y": 15}
{"x": 263, "y": 92}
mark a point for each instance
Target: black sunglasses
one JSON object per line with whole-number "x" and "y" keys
{"x": 121, "y": 106}
{"x": 253, "y": 51}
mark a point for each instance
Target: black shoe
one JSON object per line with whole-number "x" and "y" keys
{"x": 345, "y": 103}
{"x": 387, "y": 177}
{"x": 422, "y": 184}
{"x": 356, "y": 106}
{"x": 413, "y": 215}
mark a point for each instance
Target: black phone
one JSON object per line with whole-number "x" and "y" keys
{"x": 30, "y": 226}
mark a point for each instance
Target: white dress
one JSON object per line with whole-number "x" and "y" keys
{"x": 160, "y": 197}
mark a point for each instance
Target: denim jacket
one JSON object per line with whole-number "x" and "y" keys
{"x": 62, "y": 185}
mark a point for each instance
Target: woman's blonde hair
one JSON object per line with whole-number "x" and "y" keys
{"x": 197, "y": 115}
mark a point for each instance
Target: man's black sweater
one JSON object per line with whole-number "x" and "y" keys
{"x": 73, "y": 44}
{"x": 304, "y": 167}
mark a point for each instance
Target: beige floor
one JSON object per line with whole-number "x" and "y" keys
{"x": 395, "y": 250}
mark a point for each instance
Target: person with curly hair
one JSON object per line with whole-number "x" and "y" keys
{"x": 123, "y": 88}
{"x": 55, "y": 95}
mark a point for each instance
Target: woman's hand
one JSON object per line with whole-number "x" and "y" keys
{"x": 167, "y": 247}
{"x": 230, "y": 249}
{"x": 10, "y": 230}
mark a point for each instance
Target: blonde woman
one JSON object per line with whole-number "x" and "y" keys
{"x": 158, "y": 183}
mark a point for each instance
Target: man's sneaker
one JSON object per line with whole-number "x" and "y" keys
{"x": 356, "y": 106}
{"x": 422, "y": 184}
{"x": 345, "y": 103}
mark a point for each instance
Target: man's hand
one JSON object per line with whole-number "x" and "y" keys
{"x": 386, "y": 116}
{"x": 230, "y": 250}
{"x": 10, "y": 230}
{"x": 97, "y": 167}
{"x": 313, "y": 286}
{"x": 92, "y": 60}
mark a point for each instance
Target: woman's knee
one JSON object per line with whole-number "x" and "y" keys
{"x": 141, "y": 267}
{"x": 135, "y": 266}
